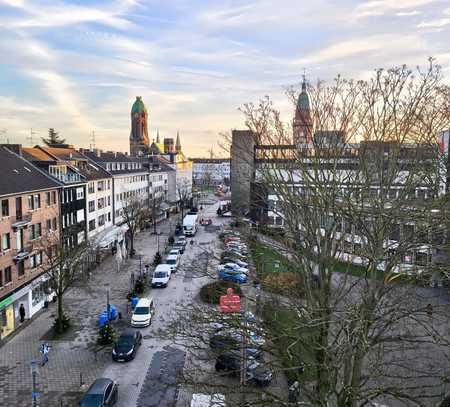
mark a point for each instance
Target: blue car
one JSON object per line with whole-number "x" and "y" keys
{"x": 227, "y": 275}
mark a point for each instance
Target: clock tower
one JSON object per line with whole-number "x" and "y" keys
{"x": 303, "y": 123}
{"x": 139, "y": 141}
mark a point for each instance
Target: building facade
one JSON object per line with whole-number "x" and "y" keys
{"x": 210, "y": 171}
{"x": 29, "y": 212}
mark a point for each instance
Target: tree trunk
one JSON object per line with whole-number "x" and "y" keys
{"x": 131, "y": 244}
{"x": 60, "y": 313}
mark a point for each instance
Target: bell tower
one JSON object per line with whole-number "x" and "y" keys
{"x": 139, "y": 141}
{"x": 302, "y": 124}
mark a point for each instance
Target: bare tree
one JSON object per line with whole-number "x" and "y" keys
{"x": 184, "y": 193}
{"x": 368, "y": 187}
{"x": 64, "y": 266}
{"x": 134, "y": 215}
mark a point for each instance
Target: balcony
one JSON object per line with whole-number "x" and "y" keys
{"x": 21, "y": 221}
{"x": 20, "y": 254}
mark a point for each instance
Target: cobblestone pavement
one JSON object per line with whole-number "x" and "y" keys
{"x": 76, "y": 357}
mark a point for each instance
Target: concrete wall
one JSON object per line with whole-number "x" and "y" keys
{"x": 242, "y": 170}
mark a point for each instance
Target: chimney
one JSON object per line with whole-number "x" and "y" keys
{"x": 115, "y": 154}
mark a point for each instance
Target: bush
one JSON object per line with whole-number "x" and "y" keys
{"x": 106, "y": 335}
{"x": 131, "y": 294}
{"x": 139, "y": 286}
{"x": 65, "y": 323}
{"x": 285, "y": 283}
{"x": 211, "y": 292}
{"x": 157, "y": 259}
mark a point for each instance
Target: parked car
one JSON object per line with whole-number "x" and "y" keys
{"x": 233, "y": 253}
{"x": 161, "y": 275}
{"x": 182, "y": 239}
{"x": 232, "y": 239}
{"x": 237, "y": 246}
{"x": 238, "y": 252}
{"x": 127, "y": 345}
{"x": 143, "y": 313}
{"x": 240, "y": 263}
{"x": 102, "y": 393}
{"x": 232, "y": 267}
{"x": 228, "y": 341}
{"x": 179, "y": 246}
{"x": 175, "y": 252}
{"x": 255, "y": 372}
{"x": 173, "y": 261}
{"x": 236, "y": 277}
{"x": 208, "y": 400}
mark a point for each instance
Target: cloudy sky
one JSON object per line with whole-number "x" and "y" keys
{"x": 78, "y": 65}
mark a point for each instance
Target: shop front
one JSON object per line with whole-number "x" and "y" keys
{"x": 7, "y": 317}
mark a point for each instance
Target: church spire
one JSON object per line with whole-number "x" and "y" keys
{"x": 178, "y": 143}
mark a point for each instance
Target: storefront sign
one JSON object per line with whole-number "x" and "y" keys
{"x": 4, "y": 303}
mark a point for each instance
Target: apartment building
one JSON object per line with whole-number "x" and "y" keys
{"x": 29, "y": 211}
{"x": 72, "y": 194}
{"x": 210, "y": 171}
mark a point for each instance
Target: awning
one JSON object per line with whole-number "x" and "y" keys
{"x": 108, "y": 236}
{"x": 164, "y": 206}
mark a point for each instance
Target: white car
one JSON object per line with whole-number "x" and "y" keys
{"x": 175, "y": 252}
{"x": 161, "y": 275}
{"x": 143, "y": 313}
{"x": 232, "y": 267}
{"x": 206, "y": 400}
{"x": 240, "y": 263}
{"x": 173, "y": 260}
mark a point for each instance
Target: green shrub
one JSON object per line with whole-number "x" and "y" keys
{"x": 139, "y": 287}
{"x": 106, "y": 335}
{"x": 211, "y": 292}
{"x": 157, "y": 259}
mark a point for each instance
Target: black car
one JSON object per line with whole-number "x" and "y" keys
{"x": 102, "y": 393}
{"x": 226, "y": 342}
{"x": 126, "y": 346}
{"x": 255, "y": 373}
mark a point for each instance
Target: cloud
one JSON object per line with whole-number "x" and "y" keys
{"x": 408, "y": 13}
{"x": 381, "y": 7}
{"x": 439, "y": 23}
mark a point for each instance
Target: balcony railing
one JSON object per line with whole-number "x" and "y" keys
{"x": 21, "y": 220}
{"x": 20, "y": 254}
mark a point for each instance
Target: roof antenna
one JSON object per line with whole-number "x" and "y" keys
{"x": 30, "y": 137}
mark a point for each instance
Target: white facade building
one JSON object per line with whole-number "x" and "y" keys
{"x": 99, "y": 206}
{"x": 211, "y": 171}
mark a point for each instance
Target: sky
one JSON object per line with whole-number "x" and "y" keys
{"x": 77, "y": 66}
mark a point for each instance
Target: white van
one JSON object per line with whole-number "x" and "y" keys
{"x": 143, "y": 313}
{"x": 161, "y": 275}
{"x": 207, "y": 400}
{"x": 173, "y": 261}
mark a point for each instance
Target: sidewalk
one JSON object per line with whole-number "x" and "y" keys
{"x": 59, "y": 380}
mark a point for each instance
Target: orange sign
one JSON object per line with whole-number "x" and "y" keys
{"x": 230, "y": 302}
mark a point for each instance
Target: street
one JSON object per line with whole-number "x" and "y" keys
{"x": 75, "y": 359}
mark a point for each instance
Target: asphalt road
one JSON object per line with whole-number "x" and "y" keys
{"x": 150, "y": 379}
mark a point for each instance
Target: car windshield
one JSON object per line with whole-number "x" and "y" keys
{"x": 171, "y": 261}
{"x": 142, "y": 310}
{"x": 92, "y": 400}
{"x": 160, "y": 274}
{"x": 125, "y": 342}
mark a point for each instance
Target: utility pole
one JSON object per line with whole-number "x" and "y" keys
{"x": 108, "y": 310}
{"x": 92, "y": 140}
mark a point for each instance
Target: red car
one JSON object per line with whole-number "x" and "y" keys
{"x": 205, "y": 222}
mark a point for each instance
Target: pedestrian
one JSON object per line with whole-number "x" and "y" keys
{"x": 294, "y": 392}
{"x": 44, "y": 353}
{"x": 22, "y": 313}
{"x": 429, "y": 309}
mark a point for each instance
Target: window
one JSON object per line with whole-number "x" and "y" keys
{"x": 8, "y": 275}
{"x": 1, "y": 278}
{"x": 100, "y": 185}
{"x": 53, "y": 197}
{"x": 54, "y": 224}
{"x": 32, "y": 261}
{"x": 5, "y": 207}
{"x": 109, "y": 184}
{"x": 109, "y": 216}
{"x": 47, "y": 198}
{"x": 6, "y": 242}
{"x": 48, "y": 224}
{"x": 35, "y": 231}
{"x": 91, "y": 188}
{"x": 101, "y": 220}
{"x": 37, "y": 201}
{"x": 80, "y": 193}
{"x": 38, "y": 259}
{"x": 101, "y": 203}
{"x": 91, "y": 206}
{"x": 109, "y": 201}
{"x": 91, "y": 225}
{"x": 30, "y": 202}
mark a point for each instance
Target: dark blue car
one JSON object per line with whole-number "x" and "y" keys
{"x": 228, "y": 275}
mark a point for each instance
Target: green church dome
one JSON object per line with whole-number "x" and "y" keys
{"x": 303, "y": 99}
{"x": 138, "y": 106}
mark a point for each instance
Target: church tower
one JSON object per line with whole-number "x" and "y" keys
{"x": 302, "y": 124}
{"x": 139, "y": 141}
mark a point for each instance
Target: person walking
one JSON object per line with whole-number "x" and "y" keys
{"x": 22, "y": 313}
{"x": 44, "y": 353}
